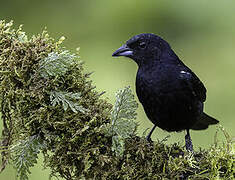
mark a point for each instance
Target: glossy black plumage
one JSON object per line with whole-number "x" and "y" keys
{"x": 171, "y": 94}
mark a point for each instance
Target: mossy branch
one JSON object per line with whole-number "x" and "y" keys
{"x": 49, "y": 105}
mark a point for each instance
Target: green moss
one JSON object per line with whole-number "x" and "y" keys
{"x": 49, "y": 105}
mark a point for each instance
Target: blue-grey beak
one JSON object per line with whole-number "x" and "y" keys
{"x": 123, "y": 51}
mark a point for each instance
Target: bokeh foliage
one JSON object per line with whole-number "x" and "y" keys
{"x": 49, "y": 105}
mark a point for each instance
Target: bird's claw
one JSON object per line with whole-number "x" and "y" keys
{"x": 148, "y": 138}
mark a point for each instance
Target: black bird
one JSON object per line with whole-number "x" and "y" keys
{"x": 171, "y": 94}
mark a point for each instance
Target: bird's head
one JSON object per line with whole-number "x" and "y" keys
{"x": 143, "y": 48}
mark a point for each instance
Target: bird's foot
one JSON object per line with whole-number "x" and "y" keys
{"x": 148, "y": 138}
{"x": 188, "y": 143}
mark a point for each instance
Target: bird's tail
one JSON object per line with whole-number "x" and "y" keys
{"x": 204, "y": 121}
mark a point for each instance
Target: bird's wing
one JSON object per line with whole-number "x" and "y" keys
{"x": 194, "y": 83}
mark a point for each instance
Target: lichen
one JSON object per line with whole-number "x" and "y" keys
{"x": 49, "y": 105}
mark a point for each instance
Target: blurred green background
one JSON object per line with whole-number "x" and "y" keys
{"x": 201, "y": 32}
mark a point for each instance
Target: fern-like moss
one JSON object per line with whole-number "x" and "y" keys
{"x": 49, "y": 105}
{"x": 24, "y": 155}
{"x": 122, "y": 124}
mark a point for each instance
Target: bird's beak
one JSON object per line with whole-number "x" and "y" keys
{"x": 123, "y": 51}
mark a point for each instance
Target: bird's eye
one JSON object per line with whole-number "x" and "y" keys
{"x": 142, "y": 45}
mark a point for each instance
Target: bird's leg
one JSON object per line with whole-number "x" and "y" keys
{"x": 188, "y": 142}
{"x": 148, "y": 138}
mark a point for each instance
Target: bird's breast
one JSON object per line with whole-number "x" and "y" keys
{"x": 157, "y": 82}
{"x": 166, "y": 101}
